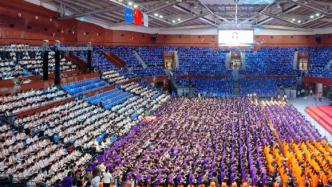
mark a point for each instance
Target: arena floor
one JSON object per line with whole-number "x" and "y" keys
{"x": 304, "y": 102}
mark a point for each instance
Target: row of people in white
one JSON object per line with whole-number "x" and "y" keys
{"x": 113, "y": 77}
{"x": 31, "y": 99}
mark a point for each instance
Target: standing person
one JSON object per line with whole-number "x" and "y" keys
{"x": 96, "y": 179}
{"x": 107, "y": 178}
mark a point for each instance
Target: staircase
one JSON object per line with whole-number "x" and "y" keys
{"x": 117, "y": 61}
{"x": 82, "y": 66}
{"x": 236, "y": 84}
{"x": 140, "y": 60}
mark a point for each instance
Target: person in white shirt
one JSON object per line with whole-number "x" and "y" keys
{"x": 107, "y": 178}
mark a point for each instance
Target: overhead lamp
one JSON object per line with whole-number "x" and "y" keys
{"x": 179, "y": 19}
{"x": 299, "y": 21}
{"x": 293, "y": 19}
{"x": 312, "y": 16}
{"x": 161, "y": 16}
{"x": 156, "y": 14}
{"x": 130, "y": 3}
{"x": 135, "y": 5}
{"x": 173, "y": 21}
{"x": 317, "y": 14}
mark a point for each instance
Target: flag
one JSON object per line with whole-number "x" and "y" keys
{"x": 137, "y": 16}
{"x": 128, "y": 15}
{"x": 146, "y": 20}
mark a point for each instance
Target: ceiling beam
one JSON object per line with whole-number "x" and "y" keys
{"x": 279, "y": 27}
{"x": 306, "y": 5}
{"x": 207, "y": 20}
{"x": 89, "y": 13}
{"x": 162, "y": 7}
{"x": 290, "y": 9}
{"x": 281, "y": 19}
{"x": 192, "y": 18}
{"x": 216, "y": 15}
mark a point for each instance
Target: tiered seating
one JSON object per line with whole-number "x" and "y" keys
{"x": 8, "y": 67}
{"x": 270, "y": 61}
{"x": 260, "y": 87}
{"x": 14, "y": 104}
{"x": 214, "y": 87}
{"x": 150, "y": 71}
{"x": 112, "y": 77}
{"x": 152, "y": 56}
{"x": 319, "y": 59}
{"x": 33, "y": 62}
{"x": 110, "y": 98}
{"x": 126, "y": 54}
{"x": 82, "y": 87}
{"x": 193, "y": 60}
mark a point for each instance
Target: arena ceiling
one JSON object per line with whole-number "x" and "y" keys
{"x": 278, "y": 14}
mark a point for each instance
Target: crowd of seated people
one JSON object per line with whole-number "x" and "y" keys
{"x": 13, "y": 104}
{"x": 18, "y": 60}
{"x": 270, "y": 61}
{"x": 264, "y": 87}
{"x": 152, "y": 56}
{"x": 44, "y": 147}
{"x": 320, "y": 62}
{"x": 33, "y": 62}
{"x": 113, "y": 77}
{"x": 197, "y": 141}
{"x": 9, "y": 69}
{"x": 214, "y": 87}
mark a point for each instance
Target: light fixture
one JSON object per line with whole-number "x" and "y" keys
{"x": 317, "y": 14}
{"x": 130, "y": 3}
{"x": 135, "y": 5}
{"x": 173, "y": 21}
{"x": 156, "y": 14}
{"x": 312, "y": 16}
{"x": 293, "y": 19}
{"x": 179, "y": 19}
{"x": 299, "y": 21}
{"x": 161, "y": 16}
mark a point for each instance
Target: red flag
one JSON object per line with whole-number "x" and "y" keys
{"x": 138, "y": 17}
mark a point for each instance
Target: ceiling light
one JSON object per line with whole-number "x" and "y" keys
{"x": 179, "y": 19}
{"x": 293, "y": 19}
{"x": 161, "y": 16}
{"x": 173, "y": 21}
{"x": 317, "y": 14}
{"x": 130, "y": 3}
{"x": 312, "y": 16}
{"x": 135, "y": 5}
{"x": 156, "y": 14}
{"x": 299, "y": 21}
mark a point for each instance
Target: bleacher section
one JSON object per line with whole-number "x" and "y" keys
{"x": 109, "y": 99}
{"x": 64, "y": 137}
{"x": 85, "y": 86}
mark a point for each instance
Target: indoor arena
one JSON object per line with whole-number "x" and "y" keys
{"x": 165, "y": 93}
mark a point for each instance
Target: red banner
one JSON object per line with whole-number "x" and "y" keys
{"x": 138, "y": 17}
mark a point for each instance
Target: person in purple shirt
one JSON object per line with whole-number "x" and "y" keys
{"x": 68, "y": 181}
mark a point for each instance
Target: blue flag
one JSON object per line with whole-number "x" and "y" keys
{"x": 128, "y": 15}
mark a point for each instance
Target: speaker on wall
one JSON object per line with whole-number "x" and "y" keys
{"x": 153, "y": 38}
{"x": 318, "y": 39}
